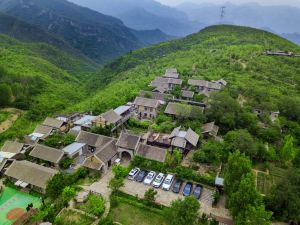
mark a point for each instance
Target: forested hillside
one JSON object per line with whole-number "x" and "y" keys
{"x": 255, "y": 82}
{"x": 40, "y": 79}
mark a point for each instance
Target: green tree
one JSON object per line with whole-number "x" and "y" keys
{"x": 241, "y": 140}
{"x": 210, "y": 152}
{"x": 119, "y": 171}
{"x": 237, "y": 166}
{"x": 56, "y": 185}
{"x": 183, "y": 211}
{"x": 115, "y": 184}
{"x": 95, "y": 205}
{"x": 173, "y": 159}
{"x": 5, "y": 95}
{"x": 68, "y": 193}
{"x": 288, "y": 151}
{"x": 149, "y": 195}
{"x": 284, "y": 200}
{"x": 244, "y": 196}
{"x": 254, "y": 215}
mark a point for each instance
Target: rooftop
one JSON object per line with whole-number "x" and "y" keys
{"x": 122, "y": 109}
{"x": 12, "y": 147}
{"x": 92, "y": 139}
{"x": 111, "y": 116}
{"x": 151, "y": 152}
{"x": 147, "y": 102}
{"x": 72, "y": 148}
{"x": 47, "y": 153}
{"x": 30, "y": 173}
{"x": 183, "y": 110}
{"x": 128, "y": 141}
{"x": 51, "y": 122}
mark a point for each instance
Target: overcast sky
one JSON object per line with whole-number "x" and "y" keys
{"x": 263, "y": 2}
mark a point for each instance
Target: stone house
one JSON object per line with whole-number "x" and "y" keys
{"x": 146, "y": 108}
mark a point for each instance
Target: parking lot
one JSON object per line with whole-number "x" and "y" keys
{"x": 164, "y": 197}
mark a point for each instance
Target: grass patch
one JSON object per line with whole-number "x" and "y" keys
{"x": 4, "y": 116}
{"x": 132, "y": 211}
{"x": 70, "y": 217}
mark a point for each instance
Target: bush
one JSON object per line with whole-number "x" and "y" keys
{"x": 66, "y": 163}
{"x": 95, "y": 205}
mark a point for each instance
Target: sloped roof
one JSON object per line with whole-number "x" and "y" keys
{"x": 192, "y": 137}
{"x": 30, "y": 173}
{"x": 184, "y": 110}
{"x": 92, "y": 139}
{"x": 128, "y": 141}
{"x": 12, "y": 147}
{"x": 72, "y": 148}
{"x": 155, "y": 95}
{"x": 147, "y": 102}
{"x": 93, "y": 162}
{"x": 47, "y": 153}
{"x": 121, "y": 109}
{"x": 188, "y": 94}
{"x": 42, "y": 129}
{"x": 51, "y": 122}
{"x": 210, "y": 127}
{"x": 171, "y": 73}
{"x": 107, "y": 152}
{"x": 204, "y": 83}
{"x": 180, "y": 137}
{"x": 151, "y": 152}
{"x": 111, "y": 116}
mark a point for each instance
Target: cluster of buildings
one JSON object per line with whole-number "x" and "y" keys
{"x": 32, "y": 164}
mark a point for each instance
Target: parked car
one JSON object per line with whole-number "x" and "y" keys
{"x": 177, "y": 186}
{"x": 197, "y": 191}
{"x": 133, "y": 173}
{"x": 149, "y": 178}
{"x": 159, "y": 179}
{"x": 187, "y": 189}
{"x": 168, "y": 182}
{"x": 141, "y": 176}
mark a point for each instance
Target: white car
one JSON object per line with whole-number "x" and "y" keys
{"x": 158, "y": 180}
{"x": 133, "y": 173}
{"x": 149, "y": 178}
{"x": 168, "y": 182}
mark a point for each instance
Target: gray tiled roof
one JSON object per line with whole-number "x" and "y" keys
{"x": 204, "y": 83}
{"x": 47, "y": 153}
{"x": 111, "y": 116}
{"x": 12, "y": 147}
{"x": 147, "y": 102}
{"x": 30, "y": 173}
{"x": 188, "y": 94}
{"x": 92, "y": 139}
{"x": 128, "y": 141}
{"x": 51, "y": 122}
{"x": 151, "y": 152}
{"x": 107, "y": 152}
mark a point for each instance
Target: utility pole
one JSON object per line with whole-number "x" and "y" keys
{"x": 222, "y": 14}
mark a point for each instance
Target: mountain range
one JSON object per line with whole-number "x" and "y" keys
{"x": 97, "y": 36}
{"x": 188, "y": 17}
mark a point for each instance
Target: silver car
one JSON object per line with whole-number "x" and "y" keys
{"x": 159, "y": 179}
{"x": 133, "y": 173}
{"x": 149, "y": 178}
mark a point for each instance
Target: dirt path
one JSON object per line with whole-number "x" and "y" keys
{"x": 14, "y": 115}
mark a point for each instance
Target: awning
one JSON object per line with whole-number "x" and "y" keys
{"x": 18, "y": 183}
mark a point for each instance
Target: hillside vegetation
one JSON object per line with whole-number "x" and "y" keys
{"x": 40, "y": 79}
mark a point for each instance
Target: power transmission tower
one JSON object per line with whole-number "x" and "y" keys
{"x": 222, "y": 14}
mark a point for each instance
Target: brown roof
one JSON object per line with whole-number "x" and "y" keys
{"x": 42, "y": 129}
{"x": 210, "y": 128}
{"x": 204, "y": 83}
{"x": 107, "y": 152}
{"x": 47, "y": 153}
{"x": 183, "y": 110}
{"x": 188, "y": 94}
{"x": 151, "y": 152}
{"x": 12, "y": 147}
{"x": 147, "y": 102}
{"x": 192, "y": 137}
{"x": 51, "y": 122}
{"x": 92, "y": 139}
{"x": 111, "y": 116}
{"x": 30, "y": 173}
{"x": 128, "y": 141}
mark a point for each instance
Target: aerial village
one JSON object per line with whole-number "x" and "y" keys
{"x": 31, "y": 164}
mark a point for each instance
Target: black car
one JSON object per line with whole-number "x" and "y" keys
{"x": 141, "y": 176}
{"x": 187, "y": 189}
{"x": 177, "y": 186}
{"x": 197, "y": 191}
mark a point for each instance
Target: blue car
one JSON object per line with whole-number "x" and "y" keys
{"x": 197, "y": 191}
{"x": 187, "y": 189}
